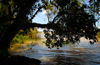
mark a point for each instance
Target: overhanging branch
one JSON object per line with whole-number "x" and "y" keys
{"x": 35, "y": 13}
{"x": 28, "y": 25}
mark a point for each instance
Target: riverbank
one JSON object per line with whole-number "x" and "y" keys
{"x": 19, "y": 47}
{"x": 20, "y": 60}
{"x": 83, "y": 53}
{"x": 98, "y": 39}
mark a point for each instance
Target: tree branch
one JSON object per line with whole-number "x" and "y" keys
{"x": 28, "y": 25}
{"x": 54, "y": 19}
{"x": 35, "y": 13}
{"x": 97, "y": 19}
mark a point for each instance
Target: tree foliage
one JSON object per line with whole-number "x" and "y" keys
{"x": 71, "y": 22}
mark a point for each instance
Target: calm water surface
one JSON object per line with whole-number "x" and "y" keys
{"x": 76, "y": 54}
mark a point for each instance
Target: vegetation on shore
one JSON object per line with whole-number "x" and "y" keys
{"x": 22, "y": 39}
{"x": 23, "y": 36}
{"x": 98, "y": 36}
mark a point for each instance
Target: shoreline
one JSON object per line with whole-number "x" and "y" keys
{"x": 19, "y": 47}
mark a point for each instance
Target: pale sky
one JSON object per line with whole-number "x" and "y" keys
{"x": 41, "y": 18}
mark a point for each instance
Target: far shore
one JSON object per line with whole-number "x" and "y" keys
{"x": 19, "y": 47}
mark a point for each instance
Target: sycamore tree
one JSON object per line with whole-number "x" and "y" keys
{"x": 68, "y": 20}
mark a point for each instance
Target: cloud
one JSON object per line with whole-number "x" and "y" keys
{"x": 99, "y": 27}
{"x": 44, "y": 12}
{"x": 40, "y": 29}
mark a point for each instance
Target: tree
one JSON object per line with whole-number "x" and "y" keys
{"x": 13, "y": 16}
{"x": 71, "y": 21}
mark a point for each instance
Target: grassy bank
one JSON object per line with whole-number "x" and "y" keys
{"x": 98, "y": 36}
{"x": 22, "y": 43}
{"x": 24, "y": 39}
{"x": 98, "y": 39}
{"x": 19, "y": 47}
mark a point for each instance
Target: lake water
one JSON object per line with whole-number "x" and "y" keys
{"x": 83, "y": 53}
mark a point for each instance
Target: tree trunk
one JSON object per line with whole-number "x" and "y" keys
{"x": 15, "y": 26}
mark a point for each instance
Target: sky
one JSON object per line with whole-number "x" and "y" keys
{"x": 42, "y": 19}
